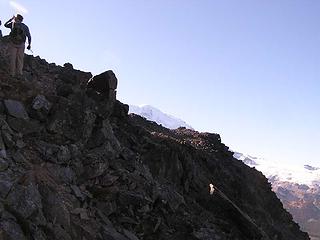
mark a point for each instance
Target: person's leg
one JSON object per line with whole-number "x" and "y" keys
{"x": 20, "y": 57}
{"x": 13, "y": 58}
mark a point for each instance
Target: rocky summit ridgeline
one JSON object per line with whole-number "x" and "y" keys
{"x": 75, "y": 165}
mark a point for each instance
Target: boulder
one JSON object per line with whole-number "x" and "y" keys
{"x": 40, "y": 102}
{"x": 16, "y": 109}
{"x": 102, "y": 88}
{"x": 68, "y": 66}
{"x": 40, "y": 108}
{"x": 104, "y": 82}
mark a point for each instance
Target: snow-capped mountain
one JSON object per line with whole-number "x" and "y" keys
{"x": 298, "y": 188}
{"x": 276, "y": 171}
{"x": 154, "y": 114}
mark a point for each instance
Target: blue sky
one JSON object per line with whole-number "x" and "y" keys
{"x": 248, "y": 70}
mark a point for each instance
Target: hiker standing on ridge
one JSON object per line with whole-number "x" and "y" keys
{"x": 19, "y": 33}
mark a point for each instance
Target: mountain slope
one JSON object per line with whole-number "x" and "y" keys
{"x": 297, "y": 187}
{"x": 75, "y": 165}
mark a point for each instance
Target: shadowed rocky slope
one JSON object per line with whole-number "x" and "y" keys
{"x": 75, "y": 165}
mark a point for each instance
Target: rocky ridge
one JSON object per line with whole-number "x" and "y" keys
{"x": 75, "y": 165}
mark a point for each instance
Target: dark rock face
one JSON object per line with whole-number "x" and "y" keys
{"x": 103, "y": 82}
{"x": 80, "y": 167}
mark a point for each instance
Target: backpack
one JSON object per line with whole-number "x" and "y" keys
{"x": 17, "y": 34}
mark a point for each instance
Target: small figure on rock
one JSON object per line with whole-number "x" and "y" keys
{"x": 18, "y": 35}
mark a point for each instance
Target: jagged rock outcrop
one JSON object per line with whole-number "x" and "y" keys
{"x": 75, "y": 165}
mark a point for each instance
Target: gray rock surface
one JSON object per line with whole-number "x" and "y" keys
{"x": 16, "y": 109}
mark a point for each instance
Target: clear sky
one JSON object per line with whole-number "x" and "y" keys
{"x": 248, "y": 70}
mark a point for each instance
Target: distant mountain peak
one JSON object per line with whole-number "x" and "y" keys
{"x": 306, "y": 174}
{"x": 308, "y": 167}
{"x": 154, "y": 114}
{"x": 247, "y": 159}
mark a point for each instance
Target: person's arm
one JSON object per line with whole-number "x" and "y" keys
{"x": 8, "y": 24}
{"x": 29, "y": 37}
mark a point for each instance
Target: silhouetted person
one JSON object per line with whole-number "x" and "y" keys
{"x": 18, "y": 35}
{"x": 0, "y": 30}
